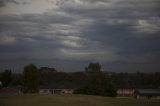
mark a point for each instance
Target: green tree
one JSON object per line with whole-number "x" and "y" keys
{"x": 6, "y": 78}
{"x": 97, "y": 82}
{"x": 30, "y": 79}
{"x": 93, "y": 67}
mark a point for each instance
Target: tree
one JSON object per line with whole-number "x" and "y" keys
{"x": 30, "y": 79}
{"x": 97, "y": 82}
{"x": 109, "y": 89}
{"x": 93, "y": 67}
{"x": 6, "y": 78}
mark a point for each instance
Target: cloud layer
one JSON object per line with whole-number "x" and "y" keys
{"x": 122, "y": 35}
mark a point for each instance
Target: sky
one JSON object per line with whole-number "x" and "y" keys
{"x": 122, "y": 35}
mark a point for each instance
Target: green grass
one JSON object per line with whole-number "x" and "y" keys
{"x": 72, "y": 100}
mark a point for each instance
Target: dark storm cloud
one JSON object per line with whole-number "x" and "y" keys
{"x": 118, "y": 33}
{"x": 3, "y": 2}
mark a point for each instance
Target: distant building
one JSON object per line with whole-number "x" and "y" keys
{"x": 125, "y": 92}
{"x": 45, "y": 91}
{"x": 10, "y": 90}
{"x": 139, "y": 93}
{"x": 55, "y": 91}
{"x": 147, "y": 93}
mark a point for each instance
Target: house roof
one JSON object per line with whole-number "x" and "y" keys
{"x": 148, "y": 92}
{"x": 8, "y": 90}
{"x": 55, "y": 87}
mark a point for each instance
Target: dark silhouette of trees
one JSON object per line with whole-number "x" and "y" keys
{"x": 47, "y": 70}
{"x": 30, "y": 79}
{"x": 92, "y": 81}
{"x": 97, "y": 82}
{"x": 137, "y": 80}
{"x": 50, "y": 77}
{"x": 6, "y": 78}
{"x": 93, "y": 67}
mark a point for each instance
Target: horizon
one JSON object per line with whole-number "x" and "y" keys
{"x": 72, "y": 71}
{"x": 122, "y": 35}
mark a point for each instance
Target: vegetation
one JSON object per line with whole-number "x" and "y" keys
{"x": 72, "y": 100}
{"x": 136, "y": 80}
{"x": 97, "y": 82}
{"x": 92, "y": 81}
{"x": 6, "y": 78}
{"x": 30, "y": 79}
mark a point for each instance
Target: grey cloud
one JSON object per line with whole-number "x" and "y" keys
{"x": 124, "y": 7}
{"x": 113, "y": 32}
{"x": 3, "y": 2}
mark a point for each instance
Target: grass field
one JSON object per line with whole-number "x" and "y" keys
{"x": 72, "y": 100}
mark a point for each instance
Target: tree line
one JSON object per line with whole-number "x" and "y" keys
{"x": 91, "y": 81}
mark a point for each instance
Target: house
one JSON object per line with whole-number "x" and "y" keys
{"x": 55, "y": 91}
{"x": 125, "y": 92}
{"x": 67, "y": 91}
{"x": 147, "y": 93}
{"x": 45, "y": 91}
{"x": 10, "y": 90}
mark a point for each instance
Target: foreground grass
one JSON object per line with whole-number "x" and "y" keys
{"x": 72, "y": 100}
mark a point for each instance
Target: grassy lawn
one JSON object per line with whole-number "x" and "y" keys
{"x": 72, "y": 100}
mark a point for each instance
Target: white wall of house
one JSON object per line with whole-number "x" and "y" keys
{"x": 125, "y": 92}
{"x": 44, "y": 91}
{"x": 55, "y": 91}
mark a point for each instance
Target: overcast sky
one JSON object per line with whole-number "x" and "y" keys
{"x": 122, "y": 35}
